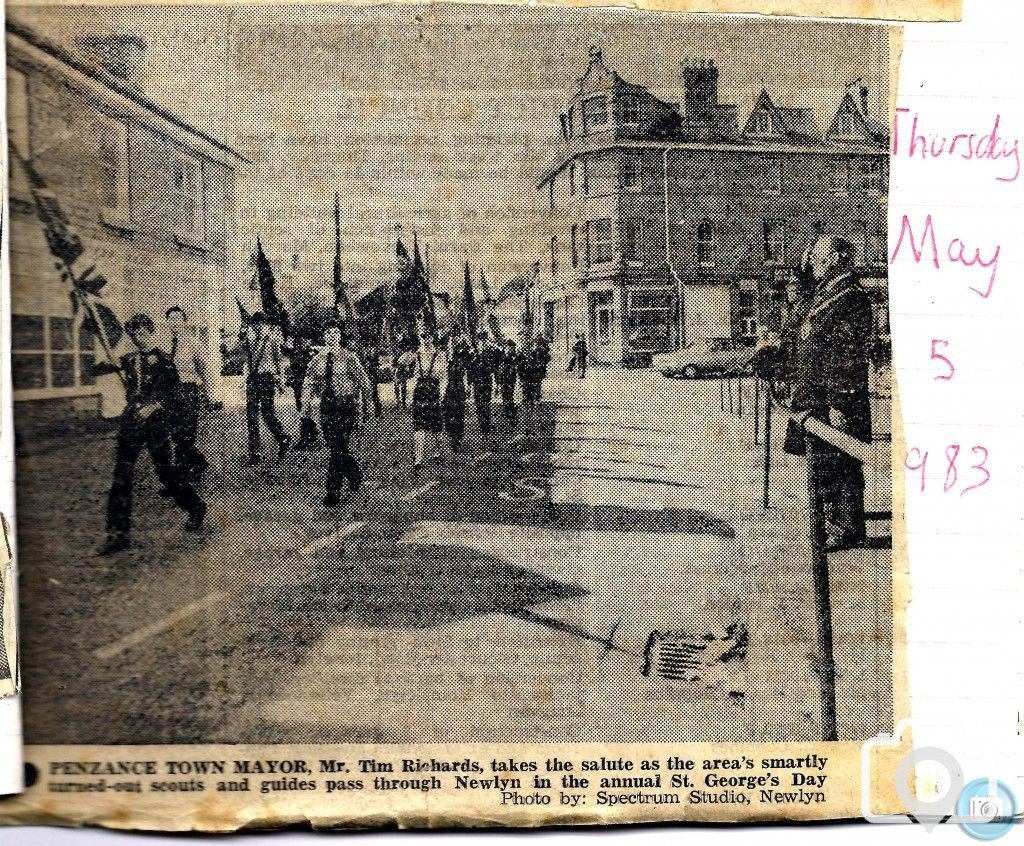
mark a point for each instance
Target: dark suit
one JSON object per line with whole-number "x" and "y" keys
{"x": 151, "y": 385}
{"x": 480, "y": 370}
{"x": 831, "y": 372}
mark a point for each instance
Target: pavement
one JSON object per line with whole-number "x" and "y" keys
{"x": 501, "y": 596}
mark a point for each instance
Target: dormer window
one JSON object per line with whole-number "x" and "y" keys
{"x": 846, "y": 123}
{"x": 763, "y": 122}
{"x": 595, "y": 113}
{"x": 629, "y": 109}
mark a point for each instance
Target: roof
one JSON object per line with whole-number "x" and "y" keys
{"x": 798, "y": 121}
{"x": 117, "y": 86}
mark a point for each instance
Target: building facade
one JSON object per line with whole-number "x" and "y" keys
{"x": 151, "y": 198}
{"x": 674, "y": 224}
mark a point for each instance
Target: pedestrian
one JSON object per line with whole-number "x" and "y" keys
{"x": 481, "y": 369}
{"x": 427, "y": 418}
{"x": 300, "y": 354}
{"x": 533, "y": 368}
{"x": 371, "y": 364}
{"x": 193, "y": 393}
{"x": 830, "y": 373}
{"x": 579, "y": 356}
{"x": 338, "y": 377}
{"x": 147, "y": 422}
{"x": 508, "y": 372}
{"x": 454, "y": 401}
{"x": 261, "y": 349}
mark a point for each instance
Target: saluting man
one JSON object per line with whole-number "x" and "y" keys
{"x": 151, "y": 388}
{"x": 341, "y": 381}
{"x": 831, "y": 381}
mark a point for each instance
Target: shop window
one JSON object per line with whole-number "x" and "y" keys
{"x": 599, "y": 241}
{"x": 650, "y": 320}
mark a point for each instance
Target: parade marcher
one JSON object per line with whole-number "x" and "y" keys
{"x": 263, "y": 359}
{"x": 578, "y": 362}
{"x": 193, "y": 393}
{"x": 151, "y": 390}
{"x": 481, "y": 370}
{"x": 533, "y": 368}
{"x": 426, "y": 399}
{"x": 300, "y": 354}
{"x": 508, "y": 373}
{"x": 831, "y": 382}
{"x": 453, "y": 404}
{"x": 371, "y": 364}
{"x": 338, "y": 377}
{"x": 403, "y": 367}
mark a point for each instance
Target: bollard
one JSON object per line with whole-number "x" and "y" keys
{"x": 721, "y": 395}
{"x": 729, "y": 386}
{"x": 826, "y": 668}
{"x": 757, "y": 410}
{"x": 767, "y": 444}
{"x": 739, "y": 396}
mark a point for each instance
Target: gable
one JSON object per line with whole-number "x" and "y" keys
{"x": 765, "y": 119}
{"x": 850, "y": 123}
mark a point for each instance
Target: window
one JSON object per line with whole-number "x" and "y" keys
{"x": 630, "y": 171}
{"x": 595, "y": 113}
{"x": 773, "y": 175}
{"x": 601, "y": 317}
{"x": 632, "y": 240}
{"x": 629, "y": 108}
{"x": 568, "y": 123}
{"x": 573, "y": 245}
{"x": 50, "y": 352}
{"x": 774, "y": 241}
{"x": 859, "y": 239}
{"x": 846, "y": 123}
{"x": 115, "y": 179}
{"x": 748, "y": 328}
{"x": 763, "y": 122}
{"x": 188, "y": 195}
{"x": 869, "y": 175}
{"x": 572, "y": 178}
{"x": 840, "y": 176}
{"x": 705, "y": 244}
{"x": 599, "y": 241}
{"x": 17, "y": 111}
{"x": 651, "y": 323}
{"x": 549, "y": 320}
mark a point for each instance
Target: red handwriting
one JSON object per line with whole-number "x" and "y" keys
{"x": 972, "y": 146}
{"x": 956, "y": 252}
{"x": 916, "y": 461}
{"x": 937, "y": 356}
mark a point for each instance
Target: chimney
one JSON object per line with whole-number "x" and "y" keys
{"x": 595, "y": 55}
{"x": 121, "y": 55}
{"x": 700, "y": 87}
{"x": 864, "y": 100}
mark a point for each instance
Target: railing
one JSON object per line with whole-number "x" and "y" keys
{"x": 815, "y": 432}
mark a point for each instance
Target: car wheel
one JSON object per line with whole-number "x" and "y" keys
{"x": 690, "y": 371}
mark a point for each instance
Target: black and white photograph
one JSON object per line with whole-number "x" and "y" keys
{"x": 451, "y": 374}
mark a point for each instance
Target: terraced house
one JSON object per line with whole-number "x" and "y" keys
{"x": 673, "y": 223}
{"x": 151, "y": 197}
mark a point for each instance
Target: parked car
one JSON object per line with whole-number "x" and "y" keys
{"x": 714, "y": 356}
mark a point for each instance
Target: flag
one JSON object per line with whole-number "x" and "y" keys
{"x": 422, "y": 274}
{"x": 527, "y": 317}
{"x": 273, "y": 309}
{"x": 408, "y": 299}
{"x": 371, "y": 311}
{"x": 342, "y": 303}
{"x": 67, "y": 248}
{"x": 515, "y": 287}
{"x": 243, "y": 313}
{"x": 470, "y": 317}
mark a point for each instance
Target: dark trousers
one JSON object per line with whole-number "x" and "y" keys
{"x": 841, "y": 483}
{"x": 338, "y": 420}
{"x": 482, "y": 402}
{"x": 581, "y": 366}
{"x": 260, "y": 390}
{"x": 188, "y": 458}
{"x": 402, "y": 392}
{"x": 508, "y": 401}
{"x": 133, "y": 436}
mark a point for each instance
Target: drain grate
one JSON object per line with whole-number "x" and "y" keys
{"x": 673, "y": 655}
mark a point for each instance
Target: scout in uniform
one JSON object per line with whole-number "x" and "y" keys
{"x": 193, "y": 391}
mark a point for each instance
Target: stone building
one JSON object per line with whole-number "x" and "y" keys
{"x": 151, "y": 197}
{"x": 671, "y": 224}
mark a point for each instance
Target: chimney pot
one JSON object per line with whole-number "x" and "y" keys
{"x": 120, "y": 55}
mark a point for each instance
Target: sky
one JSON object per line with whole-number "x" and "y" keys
{"x": 439, "y": 118}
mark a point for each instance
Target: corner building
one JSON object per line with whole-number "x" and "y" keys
{"x": 671, "y": 224}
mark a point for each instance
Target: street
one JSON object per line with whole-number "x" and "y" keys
{"x": 499, "y": 597}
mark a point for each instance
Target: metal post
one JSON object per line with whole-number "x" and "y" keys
{"x": 739, "y": 397}
{"x": 825, "y": 668}
{"x": 757, "y": 410}
{"x": 721, "y": 394}
{"x": 729, "y": 386}
{"x": 767, "y": 444}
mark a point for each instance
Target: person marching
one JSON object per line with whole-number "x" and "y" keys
{"x": 301, "y": 353}
{"x": 454, "y": 402}
{"x": 341, "y": 381}
{"x": 508, "y": 373}
{"x": 262, "y": 350}
{"x": 427, "y": 417}
{"x": 151, "y": 389}
{"x": 403, "y": 367}
{"x": 533, "y": 368}
{"x": 579, "y": 356}
{"x": 480, "y": 368}
{"x": 193, "y": 391}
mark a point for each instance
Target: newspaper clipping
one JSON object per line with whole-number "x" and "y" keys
{"x": 452, "y": 415}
